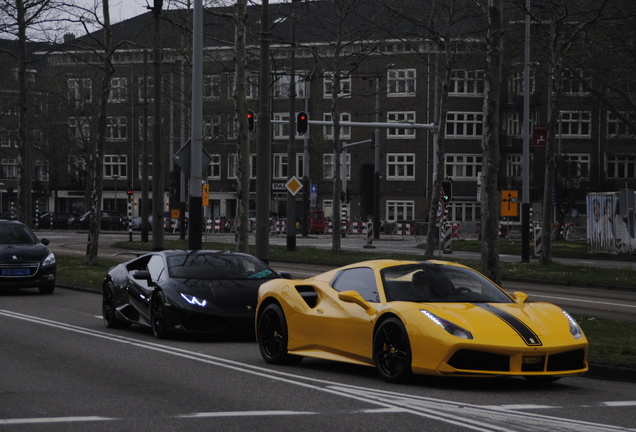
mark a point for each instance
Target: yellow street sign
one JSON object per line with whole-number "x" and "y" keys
{"x": 206, "y": 197}
{"x": 509, "y": 205}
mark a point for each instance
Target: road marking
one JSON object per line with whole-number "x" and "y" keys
{"x": 469, "y": 416}
{"x": 245, "y": 414}
{"x": 41, "y": 420}
{"x": 619, "y": 403}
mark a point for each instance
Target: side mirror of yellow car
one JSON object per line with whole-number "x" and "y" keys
{"x": 355, "y": 297}
{"x": 520, "y": 297}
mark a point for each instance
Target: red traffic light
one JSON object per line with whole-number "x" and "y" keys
{"x": 250, "y": 120}
{"x": 302, "y": 121}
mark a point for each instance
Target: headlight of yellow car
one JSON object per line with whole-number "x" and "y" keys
{"x": 574, "y": 326}
{"x": 451, "y": 328}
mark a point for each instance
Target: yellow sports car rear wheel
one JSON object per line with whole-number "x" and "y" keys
{"x": 392, "y": 351}
{"x": 272, "y": 336}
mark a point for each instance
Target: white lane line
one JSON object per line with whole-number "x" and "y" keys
{"x": 21, "y": 421}
{"x": 619, "y": 403}
{"x": 245, "y": 414}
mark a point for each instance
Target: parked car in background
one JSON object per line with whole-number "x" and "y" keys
{"x": 25, "y": 261}
{"x": 109, "y": 221}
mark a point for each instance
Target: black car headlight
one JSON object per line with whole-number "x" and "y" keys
{"x": 575, "y": 329}
{"x": 451, "y": 328}
{"x": 49, "y": 260}
{"x": 194, "y": 300}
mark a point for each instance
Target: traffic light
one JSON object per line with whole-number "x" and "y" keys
{"x": 447, "y": 190}
{"x": 250, "y": 120}
{"x": 301, "y": 122}
{"x": 129, "y": 192}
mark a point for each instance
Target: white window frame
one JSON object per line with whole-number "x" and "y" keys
{"x": 116, "y": 165}
{"x": 400, "y": 166}
{"x": 79, "y": 127}
{"x": 466, "y": 82}
{"x": 620, "y": 166}
{"x": 345, "y": 131}
{"x": 576, "y": 124}
{"x": 280, "y": 166}
{"x": 80, "y": 91}
{"x": 395, "y": 207}
{"x": 280, "y": 86}
{"x": 10, "y": 168}
{"x": 211, "y": 87}
{"x": 42, "y": 170}
{"x": 118, "y": 90}
{"x": 345, "y": 85}
{"x": 329, "y": 167}
{"x": 459, "y": 166}
{"x": 149, "y": 97}
{"x": 401, "y": 82}
{"x": 464, "y": 124}
{"x": 214, "y": 167}
{"x": 281, "y": 130}
{"x": 117, "y": 128}
{"x": 400, "y": 117}
{"x": 616, "y": 128}
{"x": 514, "y": 166}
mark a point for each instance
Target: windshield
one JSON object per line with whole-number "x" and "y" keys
{"x": 428, "y": 282}
{"x": 218, "y": 266}
{"x": 16, "y": 234}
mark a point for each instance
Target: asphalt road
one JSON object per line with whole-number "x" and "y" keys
{"x": 62, "y": 370}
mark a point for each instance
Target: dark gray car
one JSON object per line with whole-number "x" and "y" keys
{"x": 25, "y": 261}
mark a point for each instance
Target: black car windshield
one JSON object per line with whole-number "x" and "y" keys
{"x": 428, "y": 282}
{"x": 218, "y": 266}
{"x": 16, "y": 234}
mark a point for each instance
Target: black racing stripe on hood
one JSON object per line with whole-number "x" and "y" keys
{"x": 526, "y": 333}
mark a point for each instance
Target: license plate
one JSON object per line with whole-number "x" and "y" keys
{"x": 16, "y": 272}
{"x": 532, "y": 360}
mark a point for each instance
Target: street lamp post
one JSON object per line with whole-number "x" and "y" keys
{"x": 376, "y": 162}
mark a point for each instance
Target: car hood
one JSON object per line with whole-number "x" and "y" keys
{"x": 23, "y": 253}
{"x": 532, "y": 323}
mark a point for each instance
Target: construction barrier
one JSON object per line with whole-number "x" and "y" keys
{"x": 369, "y": 233}
{"x": 404, "y": 230}
{"x": 278, "y": 227}
{"x": 448, "y": 238}
{"x": 538, "y": 248}
{"x": 358, "y": 228}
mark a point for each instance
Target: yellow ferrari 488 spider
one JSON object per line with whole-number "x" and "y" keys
{"x": 408, "y": 317}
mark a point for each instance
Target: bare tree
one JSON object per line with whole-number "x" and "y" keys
{"x": 19, "y": 19}
{"x": 567, "y": 21}
{"x": 97, "y": 171}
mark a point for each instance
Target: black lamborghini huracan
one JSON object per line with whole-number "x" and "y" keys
{"x": 202, "y": 291}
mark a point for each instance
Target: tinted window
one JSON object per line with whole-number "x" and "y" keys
{"x": 13, "y": 233}
{"x": 439, "y": 283}
{"x": 218, "y": 266}
{"x": 361, "y": 280}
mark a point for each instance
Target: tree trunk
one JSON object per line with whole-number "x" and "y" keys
{"x": 243, "y": 189}
{"x": 490, "y": 144}
{"x": 97, "y": 171}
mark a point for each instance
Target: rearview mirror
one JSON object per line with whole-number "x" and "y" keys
{"x": 355, "y": 297}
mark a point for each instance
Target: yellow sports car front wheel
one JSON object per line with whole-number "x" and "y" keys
{"x": 392, "y": 351}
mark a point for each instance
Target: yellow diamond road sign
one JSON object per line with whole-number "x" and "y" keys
{"x": 293, "y": 185}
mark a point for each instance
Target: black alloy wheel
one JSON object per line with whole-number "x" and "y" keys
{"x": 158, "y": 316}
{"x": 109, "y": 313}
{"x": 271, "y": 332}
{"x": 392, "y": 351}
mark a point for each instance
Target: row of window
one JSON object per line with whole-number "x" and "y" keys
{"x": 399, "y": 166}
{"x": 399, "y": 83}
{"x": 573, "y": 124}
